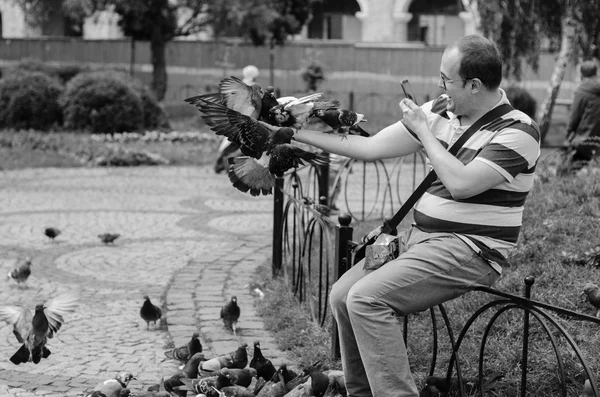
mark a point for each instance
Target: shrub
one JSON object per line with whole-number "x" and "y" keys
{"x": 522, "y": 100}
{"x": 101, "y": 102}
{"x": 30, "y": 100}
{"x": 154, "y": 115}
{"x": 63, "y": 72}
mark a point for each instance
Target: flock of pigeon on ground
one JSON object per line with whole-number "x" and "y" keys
{"x": 262, "y": 126}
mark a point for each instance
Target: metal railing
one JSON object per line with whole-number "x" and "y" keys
{"x": 312, "y": 251}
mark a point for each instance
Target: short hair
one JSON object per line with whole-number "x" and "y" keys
{"x": 588, "y": 69}
{"x": 480, "y": 59}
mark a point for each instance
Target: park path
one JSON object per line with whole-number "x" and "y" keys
{"x": 188, "y": 240}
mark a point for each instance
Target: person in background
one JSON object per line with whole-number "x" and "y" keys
{"x": 583, "y": 130}
{"x": 227, "y": 149}
{"x": 465, "y": 225}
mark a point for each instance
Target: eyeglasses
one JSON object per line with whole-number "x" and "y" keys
{"x": 445, "y": 80}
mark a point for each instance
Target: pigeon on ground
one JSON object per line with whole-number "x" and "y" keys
{"x": 150, "y": 312}
{"x": 235, "y": 391}
{"x": 592, "y": 292}
{"x": 230, "y": 314}
{"x": 185, "y": 352}
{"x": 263, "y": 366}
{"x": 239, "y": 376}
{"x": 342, "y": 121}
{"x": 108, "y": 238}
{"x": 318, "y": 382}
{"x": 267, "y": 150}
{"x": 274, "y": 387}
{"x": 114, "y": 387}
{"x": 235, "y": 359}
{"x": 51, "y": 232}
{"x": 205, "y": 385}
{"x": 33, "y": 329}
{"x": 21, "y": 273}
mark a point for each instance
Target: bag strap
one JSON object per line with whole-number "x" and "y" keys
{"x": 390, "y": 225}
{"x": 487, "y": 118}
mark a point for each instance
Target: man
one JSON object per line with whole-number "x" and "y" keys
{"x": 583, "y": 130}
{"x": 469, "y": 215}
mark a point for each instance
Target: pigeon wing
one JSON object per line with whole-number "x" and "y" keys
{"x": 247, "y": 174}
{"x": 252, "y": 136}
{"x": 57, "y": 307}
{"x": 20, "y": 318}
{"x": 241, "y": 97}
{"x": 286, "y": 156}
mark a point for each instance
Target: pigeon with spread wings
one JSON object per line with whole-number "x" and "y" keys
{"x": 33, "y": 329}
{"x": 268, "y": 150}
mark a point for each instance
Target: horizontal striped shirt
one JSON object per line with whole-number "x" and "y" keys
{"x": 511, "y": 146}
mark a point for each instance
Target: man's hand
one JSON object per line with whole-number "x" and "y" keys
{"x": 414, "y": 117}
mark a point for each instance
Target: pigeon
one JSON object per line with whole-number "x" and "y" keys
{"x": 235, "y": 391}
{"x": 288, "y": 374}
{"x": 114, "y": 387}
{"x": 342, "y": 121}
{"x": 239, "y": 376}
{"x": 185, "y": 352}
{"x": 274, "y": 387}
{"x": 230, "y": 314}
{"x": 33, "y": 329}
{"x": 51, "y": 232}
{"x": 264, "y": 367}
{"x": 205, "y": 385}
{"x": 236, "y": 95}
{"x": 235, "y": 359}
{"x": 268, "y": 102}
{"x": 150, "y": 312}
{"x": 21, "y": 273}
{"x": 108, "y": 238}
{"x": 318, "y": 383}
{"x": 592, "y": 291}
{"x": 296, "y": 112}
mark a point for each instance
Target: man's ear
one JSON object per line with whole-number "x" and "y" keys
{"x": 475, "y": 85}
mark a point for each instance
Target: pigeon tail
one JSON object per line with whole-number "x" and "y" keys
{"x": 21, "y": 356}
{"x": 247, "y": 174}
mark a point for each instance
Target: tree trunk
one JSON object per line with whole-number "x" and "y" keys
{"x": 560, "y": 67}
{"x": 158, "y": 49}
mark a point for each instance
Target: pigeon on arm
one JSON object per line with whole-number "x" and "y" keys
{"x": 33, "y": 329}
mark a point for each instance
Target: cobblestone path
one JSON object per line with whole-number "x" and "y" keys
{"x": 188, "y": 240}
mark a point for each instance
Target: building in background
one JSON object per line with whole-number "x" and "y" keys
{"x": 423, "y": 22}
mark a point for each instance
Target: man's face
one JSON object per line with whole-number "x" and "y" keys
{"x": 453, "y": 84}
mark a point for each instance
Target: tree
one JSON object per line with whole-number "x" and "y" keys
{"x": 156, "y": 21}
{"x": 571, "y": 27}
{"x": 273, "y": 21}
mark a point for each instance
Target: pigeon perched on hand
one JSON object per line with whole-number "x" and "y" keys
{"x": 21, "y": 273}
{"x": 51, "y": 232}
{"x": 342, "y": 121}
{"x": 150, "y": 312}
{"x": 263, "y": 366}
{"x": 114, "y": 387}
{"x": 230, "y": 314}
{"x": 108, "y": 238}
{"x": 33, "y": 329}
{"x": 592, "y": 292}
{"x": 185, "y": 352}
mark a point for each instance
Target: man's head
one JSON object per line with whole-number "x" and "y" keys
{"x": 588, "y": 69}
{"x": 470, "y": 68}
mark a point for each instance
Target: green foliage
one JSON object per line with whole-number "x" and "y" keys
{"x": 272, "y": 21}
{"x": 63, "y": 72}
{"x": 29, "y": 100}
{"x": 101, "y": 102}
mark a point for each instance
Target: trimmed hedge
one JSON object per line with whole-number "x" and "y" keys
{"x": 63, "y": 72}
{"x": 30, "y": 100}
{"x": 101, "y": 102}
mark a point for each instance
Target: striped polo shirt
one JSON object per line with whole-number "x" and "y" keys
{"x": 510, "y": 145}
